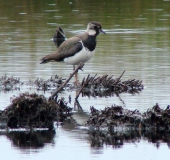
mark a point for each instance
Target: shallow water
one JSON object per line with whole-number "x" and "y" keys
{"x": 137, "y": 40}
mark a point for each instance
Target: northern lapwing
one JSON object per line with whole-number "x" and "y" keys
{"x": 79, "y": 48}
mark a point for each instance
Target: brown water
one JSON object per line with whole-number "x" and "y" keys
{"x": 137, "y": 40}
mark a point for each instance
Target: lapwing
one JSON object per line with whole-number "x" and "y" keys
{"x": 79, "y": 48}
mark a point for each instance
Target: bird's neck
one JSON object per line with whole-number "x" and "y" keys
{"x": 90, "y": 42}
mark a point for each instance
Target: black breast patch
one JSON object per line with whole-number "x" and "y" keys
{"x": 90, "y": 43}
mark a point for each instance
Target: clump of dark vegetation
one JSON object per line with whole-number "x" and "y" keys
{"x": 32, "y": 110}
{"x": 107, "y": 84}
{"x": 115, "y": 117}
{"x": 52, "y": 83}
{"x": 90, "y": 86}
{"x": 12, "y": 83}
{"x": 157, "y": 118}
{"x": 9, "y": 83}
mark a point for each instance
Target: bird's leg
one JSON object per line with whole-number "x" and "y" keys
{"x": 77, "y": 81}
{"x": 74, "y": 67}
{"x": 76, "y": 76}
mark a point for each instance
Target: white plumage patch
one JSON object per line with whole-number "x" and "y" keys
{"x": 90, "y": 32}
{"x": 83, "y": 56}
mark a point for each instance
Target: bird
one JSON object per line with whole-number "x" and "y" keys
{"x": 77, "y": 49}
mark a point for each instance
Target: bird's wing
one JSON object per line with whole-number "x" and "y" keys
{"x": 67, "y": 49}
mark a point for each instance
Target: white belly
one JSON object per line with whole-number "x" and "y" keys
{"x": 83, "y": 56}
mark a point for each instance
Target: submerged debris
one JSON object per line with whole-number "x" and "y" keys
{"x": 9, "y": 83}
{"x": 52, "y": 83}
{"x": 79, "y": 67}
{"x": 90, "y": 86}
{"x": 32, "y": 110}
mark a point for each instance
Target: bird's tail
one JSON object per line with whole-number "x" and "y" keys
{"x": 45, "y": 59}
{"x": 48, "y": 58}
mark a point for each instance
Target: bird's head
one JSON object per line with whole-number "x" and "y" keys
{"x": 94, "y": 28}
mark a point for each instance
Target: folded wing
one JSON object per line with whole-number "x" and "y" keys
{"x": 67, "y": 49}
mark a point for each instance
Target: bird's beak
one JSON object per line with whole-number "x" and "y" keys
{"x": 101, "y": 31}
